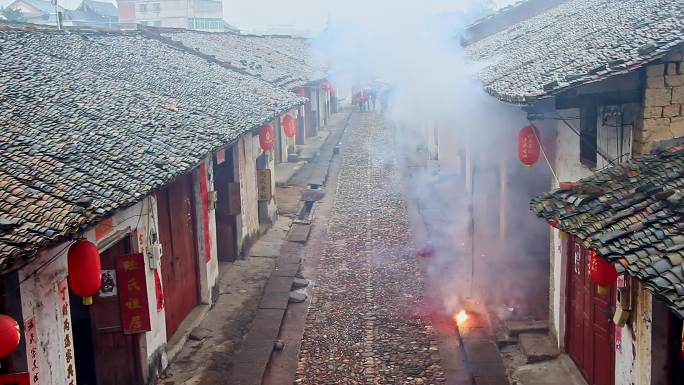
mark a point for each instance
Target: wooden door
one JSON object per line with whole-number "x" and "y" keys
{"x": 590, "y": 334}
{"x": 179, "y": 254}
{"x": 103, "y": 354}
{"x": 227, "y": 208}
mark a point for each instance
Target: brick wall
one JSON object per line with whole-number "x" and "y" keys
{"x": 663, "y": 100}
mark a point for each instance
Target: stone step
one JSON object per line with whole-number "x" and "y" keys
{"x": 537, "y": 347}
{"x": 517, "y": 327}
{"x": 504, "y": 339}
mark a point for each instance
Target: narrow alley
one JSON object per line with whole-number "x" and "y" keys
{"x": 230, "y": 192}
{"x": 363, "y": 326}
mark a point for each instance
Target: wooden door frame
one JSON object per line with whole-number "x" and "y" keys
{"x": 190, "y": 177}
{"x": 569, "y": 244}
{"x": 229, "y": 160}
{"x": 566, "y": 243}
{"x": 137, "y": 354}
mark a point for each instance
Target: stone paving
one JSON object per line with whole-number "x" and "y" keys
{"x": 362, "y": 326}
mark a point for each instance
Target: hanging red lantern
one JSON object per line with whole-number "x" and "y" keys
{"x": 266, "y": 136}
{"x": 528, "y": 145}
{"x": 553, "y": 224}
{"x": 289, "y": 126}
{"x": 301, "y": 92}
{"x": 601, "y": 272}
{"x": 9, "y": 335}
{"x": 85, "y": 271}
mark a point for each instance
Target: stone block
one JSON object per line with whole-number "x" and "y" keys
{"x": 537, "y": 347}
{"x": 671, "y": 68}
{"x": 655, "y": 70}
{"x": 659, "y": 135}
{"x": 677, "y": 127}
{"x": 672, "y": 110}
{"x": 655, "y": 82}
{"x": 656, "y": 124}
{"x": 658, "y": 97}
{"x": 517, "y": 327}
{"x": 653, "y": 112}
{"x": 678, "y": 95}
{"x": 674, "y": 80}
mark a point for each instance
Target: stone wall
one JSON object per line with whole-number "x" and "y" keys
{"x": 663, "y": 100}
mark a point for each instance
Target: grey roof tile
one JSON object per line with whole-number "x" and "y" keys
{"x": 645, "y": 239}
{"x": 574, "y": 43}
{"x": 92, "y": 122}
{"x": 280, "y": 60}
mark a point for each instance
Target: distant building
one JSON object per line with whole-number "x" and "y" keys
{"x": 93, "y": 13}
{"x": 37, "y": 11}
{"x": 200, "y": 15}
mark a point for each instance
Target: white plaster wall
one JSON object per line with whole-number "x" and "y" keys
{"x": 633, "y": 362}
{"x": 39, "y": 295}
{"x": 39, "y": 299}
{"x": 247, "y": 152}
{"x": 568, "y": 169}
{"x": 208, "y": 271}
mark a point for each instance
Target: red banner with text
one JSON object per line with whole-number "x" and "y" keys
{"x": 135, "y": 313}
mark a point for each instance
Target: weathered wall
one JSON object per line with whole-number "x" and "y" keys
{"x": 40, "y": 298}
{"x": 568, "y": 169}
{"x": 247, "y": 153}
{"x": 208, "y": 271}
{"x": 663, "y": 99}
{"x": 633, "y": 359}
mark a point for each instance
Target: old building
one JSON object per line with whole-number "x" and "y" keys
{"x": 149, "y": 152}
{"x": 603, "y": 80}
{"x": 93, "y": 13}
{"x": 280, "y": 60}
{"x": 200, "y": 15}
{"x": 37, "y": 11}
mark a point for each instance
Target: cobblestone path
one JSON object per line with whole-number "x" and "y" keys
{"x": 362, "y": 326}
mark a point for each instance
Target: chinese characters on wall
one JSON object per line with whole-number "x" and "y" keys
{"x": 132, "y": 285}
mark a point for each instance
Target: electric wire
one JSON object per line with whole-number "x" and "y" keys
{"x": 541, "y": 147}
{"x": 37, "y": 270}
{"x": 61, "y": 252}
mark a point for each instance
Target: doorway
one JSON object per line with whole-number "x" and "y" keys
{"x": 103, "y": 354}
{"x": 590, "y": 333}
{"x": 228, "y": 205}
{"x": 175, "y": 206}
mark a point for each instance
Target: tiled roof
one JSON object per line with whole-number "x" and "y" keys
{"x": 574, "y": 43}
{"x": 282, "y": 61}
{"x": 92, "y": 122}
{"x": 632, "y": 215}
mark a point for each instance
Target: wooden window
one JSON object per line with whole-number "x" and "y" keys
{"x": 588, "y": 136}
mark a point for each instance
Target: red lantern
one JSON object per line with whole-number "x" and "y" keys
{"x": 85, "y": 272}
{"x": 289, "y": 125}
{"x": 528, "y": 145}
{"x": 601, "y": 272}
{"x": 266, "y": 136}
{"x": 301, "y": 92}
{"x": 9, "y": 335}
{"x": 553, "y": 224}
